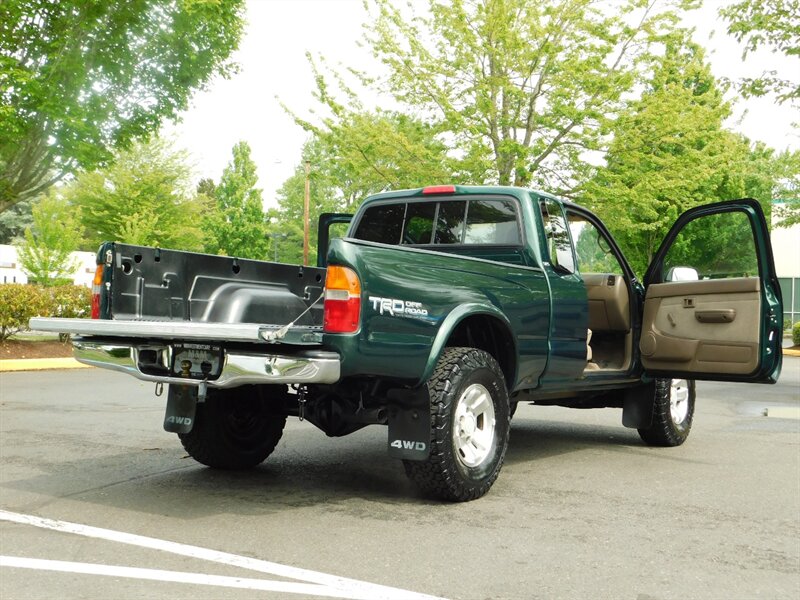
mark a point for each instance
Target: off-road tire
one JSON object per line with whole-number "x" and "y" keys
{"x": 234, "y": 429}
{"x": 671, "y": 423}
{"x": 447, "y": 473}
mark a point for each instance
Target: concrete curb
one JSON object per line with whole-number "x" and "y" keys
{"x": 791, "y": 351}
{"x": 40, "y": 364}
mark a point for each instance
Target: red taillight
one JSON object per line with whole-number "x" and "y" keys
{"x": 342, "y": 310}
{"x": 439, "y": 189}
{"x": 97, "y": 286}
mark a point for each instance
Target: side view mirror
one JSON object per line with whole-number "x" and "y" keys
{"x": 682, "y": 274}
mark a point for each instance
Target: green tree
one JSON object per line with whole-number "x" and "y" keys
{"x": 520, "y": 89}
{"x": 351, "y": 155}
{"x": 357, "y": 152}
{"x": 770, "y": 24}
{"x": 237, "y": 226}
{"x": 144, "y": 197}
{"x": 786, "y": 167}
{"x": 80, "y": 78}
{"x": 206, "y": 187}
{"x": 669, "y": 153}
{"x": 15, "y": 220}
{"x": 56, "y": 232}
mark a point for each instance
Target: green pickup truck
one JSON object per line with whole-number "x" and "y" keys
{"x": 440, "y": 310}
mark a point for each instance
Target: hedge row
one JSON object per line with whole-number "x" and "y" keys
{"x": 20, "y": 302}
{"x": 796, "y": 334}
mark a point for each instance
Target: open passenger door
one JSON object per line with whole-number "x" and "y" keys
{"x": 326, "y": 221}
{"x": 713, "y": 304}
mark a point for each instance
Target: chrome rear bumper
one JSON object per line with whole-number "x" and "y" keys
{"x": 311, "y": 366}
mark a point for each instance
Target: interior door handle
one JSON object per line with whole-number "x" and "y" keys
{"x": 723, "y": 315}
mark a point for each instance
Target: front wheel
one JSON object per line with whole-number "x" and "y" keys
{"x": 234, "y": 429}
{"x": 469, "y": 426}
{"x": 673, "y": 412}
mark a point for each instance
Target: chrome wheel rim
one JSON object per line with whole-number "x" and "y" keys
{"x": 678, "y": 400}
{"x": 474, "y": 425}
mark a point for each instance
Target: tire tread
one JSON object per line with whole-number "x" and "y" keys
{"x": 437, "y": 475}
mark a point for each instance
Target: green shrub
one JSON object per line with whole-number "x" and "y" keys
{"x": 796, "y": 334}
{"x": 70, "y": 301}
{"x": 18, "y": 303}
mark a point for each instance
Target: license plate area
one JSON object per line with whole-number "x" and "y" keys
{"x": 197, "y": 361}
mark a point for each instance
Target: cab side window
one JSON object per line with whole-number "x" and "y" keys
{"x": 558, "y": 243}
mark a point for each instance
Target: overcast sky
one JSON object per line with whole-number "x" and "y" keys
{"x": 273, "y": 63}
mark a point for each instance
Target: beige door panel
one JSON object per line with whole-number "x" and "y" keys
{"x": 702, "y": 326}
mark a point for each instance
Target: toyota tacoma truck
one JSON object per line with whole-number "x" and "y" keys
{"x": 439, "y": 311}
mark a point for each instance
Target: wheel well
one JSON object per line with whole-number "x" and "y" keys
{"x": 491, "y": 335}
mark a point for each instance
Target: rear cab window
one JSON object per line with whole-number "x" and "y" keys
{"x": 442, "y": 222}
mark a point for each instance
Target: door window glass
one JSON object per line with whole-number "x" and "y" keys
{"x": 492, "y": 222}
{"x": 717, "y": 246}
{"x": 558, "y": 243}
{"x": 592, "y": 248}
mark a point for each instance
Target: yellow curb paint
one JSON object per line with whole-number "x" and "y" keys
{"x": 40, "y": 364}
{"x": 791, "y": 352}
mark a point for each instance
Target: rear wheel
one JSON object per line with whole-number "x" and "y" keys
{"x": 469, "y": 426}
{"x": 673, "y": 412}
{"x": 234, "y": 429}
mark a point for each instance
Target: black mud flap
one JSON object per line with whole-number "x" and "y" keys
{"x": 409, "y": 424}
{"x": 181, "y": 407}
{"x": 637, "y": 407}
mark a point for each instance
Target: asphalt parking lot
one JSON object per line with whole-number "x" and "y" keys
{"x": 97, "y": 501}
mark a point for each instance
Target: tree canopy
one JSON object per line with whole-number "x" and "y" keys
{"x": 520, "y": 89}
{"x": 80, "y": 78}
{"x": 44, "y": 253}
{"x": 237, "y": 225}
{"x": 145, "y": 197}
{"x": 670, "y": 152}
{"x": 770, "y": 24}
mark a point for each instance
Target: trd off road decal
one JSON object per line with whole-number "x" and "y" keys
{"x": 397, "y": 308}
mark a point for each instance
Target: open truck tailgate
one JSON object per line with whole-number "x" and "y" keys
{"x": 201, "y": 354}
{"x": 303, "y": 335}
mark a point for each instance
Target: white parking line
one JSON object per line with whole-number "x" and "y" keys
{"x": 340, "y": 587}
{"x": 310, "y": 589}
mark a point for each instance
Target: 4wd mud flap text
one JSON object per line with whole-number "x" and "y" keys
{"x": 409, "y": 424}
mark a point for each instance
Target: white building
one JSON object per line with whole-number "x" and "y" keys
{"x": 786, "y": 249}
{"x": 11, "y": 271}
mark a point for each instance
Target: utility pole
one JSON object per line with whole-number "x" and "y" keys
{"x": 306, "y": 201}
